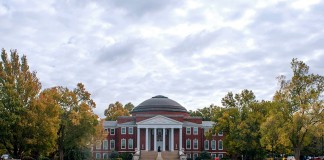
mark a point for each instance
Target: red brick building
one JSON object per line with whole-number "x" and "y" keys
{"x": 156, "y": 123}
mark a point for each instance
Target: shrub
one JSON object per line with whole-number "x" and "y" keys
{"x": 28, "y": 158}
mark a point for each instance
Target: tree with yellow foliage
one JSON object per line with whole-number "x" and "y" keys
{"x": 115, "y": 110}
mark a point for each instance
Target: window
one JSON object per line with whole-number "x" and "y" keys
{"x": 220, "y": 156}
{"x": 112, "y": 144}
{"x": 188, "y": 155}
{"x": 106, "y": 130}
{"x": 188, "y": 130}
{"x": 195, "y": 155}
{"x": 213, "y": 145}
{"x": 195, "y": 130}
{"x": 130, "y": 144}
{"x": 105, "y": 156}
{"x": 220, "y": 133}
{"x": 105, "y": 145}
{"x": 130, "y": 130}
{"x": 98, "y": 156}
{"x": 206, "y": 145}
{"x": 98, "y": 145}
{"x": 188, "y": 144}
{"x": 123, "y": 130}
{"x": 195, "y": 143}
{"x": 123, "y": 143}
{"x": 112, "y": 131}
{"x": 220, "y": 145}
{"x": 213, "y": 155}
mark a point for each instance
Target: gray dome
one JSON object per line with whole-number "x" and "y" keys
{"x": 159, "y": 103}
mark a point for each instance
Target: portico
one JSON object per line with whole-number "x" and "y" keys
{"x": 159, "y": 131}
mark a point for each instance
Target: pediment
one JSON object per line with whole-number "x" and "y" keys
{"x": 159, "y": 120}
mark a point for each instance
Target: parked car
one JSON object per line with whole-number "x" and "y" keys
{"x": 291, "y": 158}
{"x": 5, "y": 156}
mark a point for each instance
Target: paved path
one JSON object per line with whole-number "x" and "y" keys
{"x": 159, "y": 157}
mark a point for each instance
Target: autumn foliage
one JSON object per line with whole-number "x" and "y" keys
{"x": 34, "y": 122}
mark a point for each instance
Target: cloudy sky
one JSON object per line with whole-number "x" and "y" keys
{"x": 191, "y": 51}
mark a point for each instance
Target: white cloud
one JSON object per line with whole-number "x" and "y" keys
{"x": 193, "y": 52}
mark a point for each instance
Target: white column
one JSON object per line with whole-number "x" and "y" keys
{"x": 180, "y": 138}
{"x": 155, "y": 139}
{"x": 169, "y": 131}
{"x": 146, "y": 140}
{"x": 163, "y": 146}
{"x": 172, "y": 139}
{"x": 138, "y": 139}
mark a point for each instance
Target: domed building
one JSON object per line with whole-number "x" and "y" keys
{"x": 159, "y": 124}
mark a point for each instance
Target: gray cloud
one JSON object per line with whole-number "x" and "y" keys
{"x": 192, "y": 52}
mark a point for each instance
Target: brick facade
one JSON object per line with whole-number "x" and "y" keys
{"x": 121, "y": 135}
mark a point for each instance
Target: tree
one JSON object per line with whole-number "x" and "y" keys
{"x": 302, "y": 97}
{"x": 129, "y": 107}
{"x": 240, "y": 121}
{"x": 115, "y": 110}
{"x": 19, "y": 88}
{"x": 195, "y": 113}
{"x": 204, "y": 155}
{"x": 43, "y": 120}
{"x": 271, "y": 129}
{"x": 78, "y": 123}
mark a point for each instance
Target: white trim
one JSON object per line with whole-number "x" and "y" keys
{"x": 112, "y": 129}
{"x": 121, "y": 130}
{"x": 98, "y": 157}
{"x": 219, "y": 145}
{"x": 206, "y": 148}
{"x": 187, "y": 144}
{"x": 180, "y": 139}
{"x": 155, "y": 149}
{"x": 160, "y": 120}
{"x": 188, "y": 133}
{"x": 130, "y": 129}
{"x": 97, "y": 142}
{"x": 172, "y": 139}
{"x": 220, "y": 155}
{"x": 103, "y": 156}
{"x": 220, "y": 133}
{"x": 105, "y": 142}
{"x": 163, "y": 140}
{"x": 112, "y": 141}
{"x": 194, "y": 131}
{"x": 194, "y": 143}
{"x": 121, "y": 143}
{"x": 146, "y": 140}
{"x": 130, "y": 143}
{"x": 138, "y": 139}
{"x": 193, "y": 156}
{"x": 213, "y": 141}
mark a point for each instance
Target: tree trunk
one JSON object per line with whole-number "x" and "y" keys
{"x": 297, "y": 153}
{"x": 61, "y": 140}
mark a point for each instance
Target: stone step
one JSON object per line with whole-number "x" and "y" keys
{"x": 168, "y": 155}
{"x": 148, "y": 155}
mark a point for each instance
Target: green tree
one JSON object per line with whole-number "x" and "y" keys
{"x": 195, "y": 113}
{"x": 78, "y": 123}
{"x": 115, "y": 110}
{"x": 19, "y": 88}
{"x": 271, "y": 129}
{"x": 129, "y": 107}
{"x": 302, "y": 97}
{"x": 240, "y": 120}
